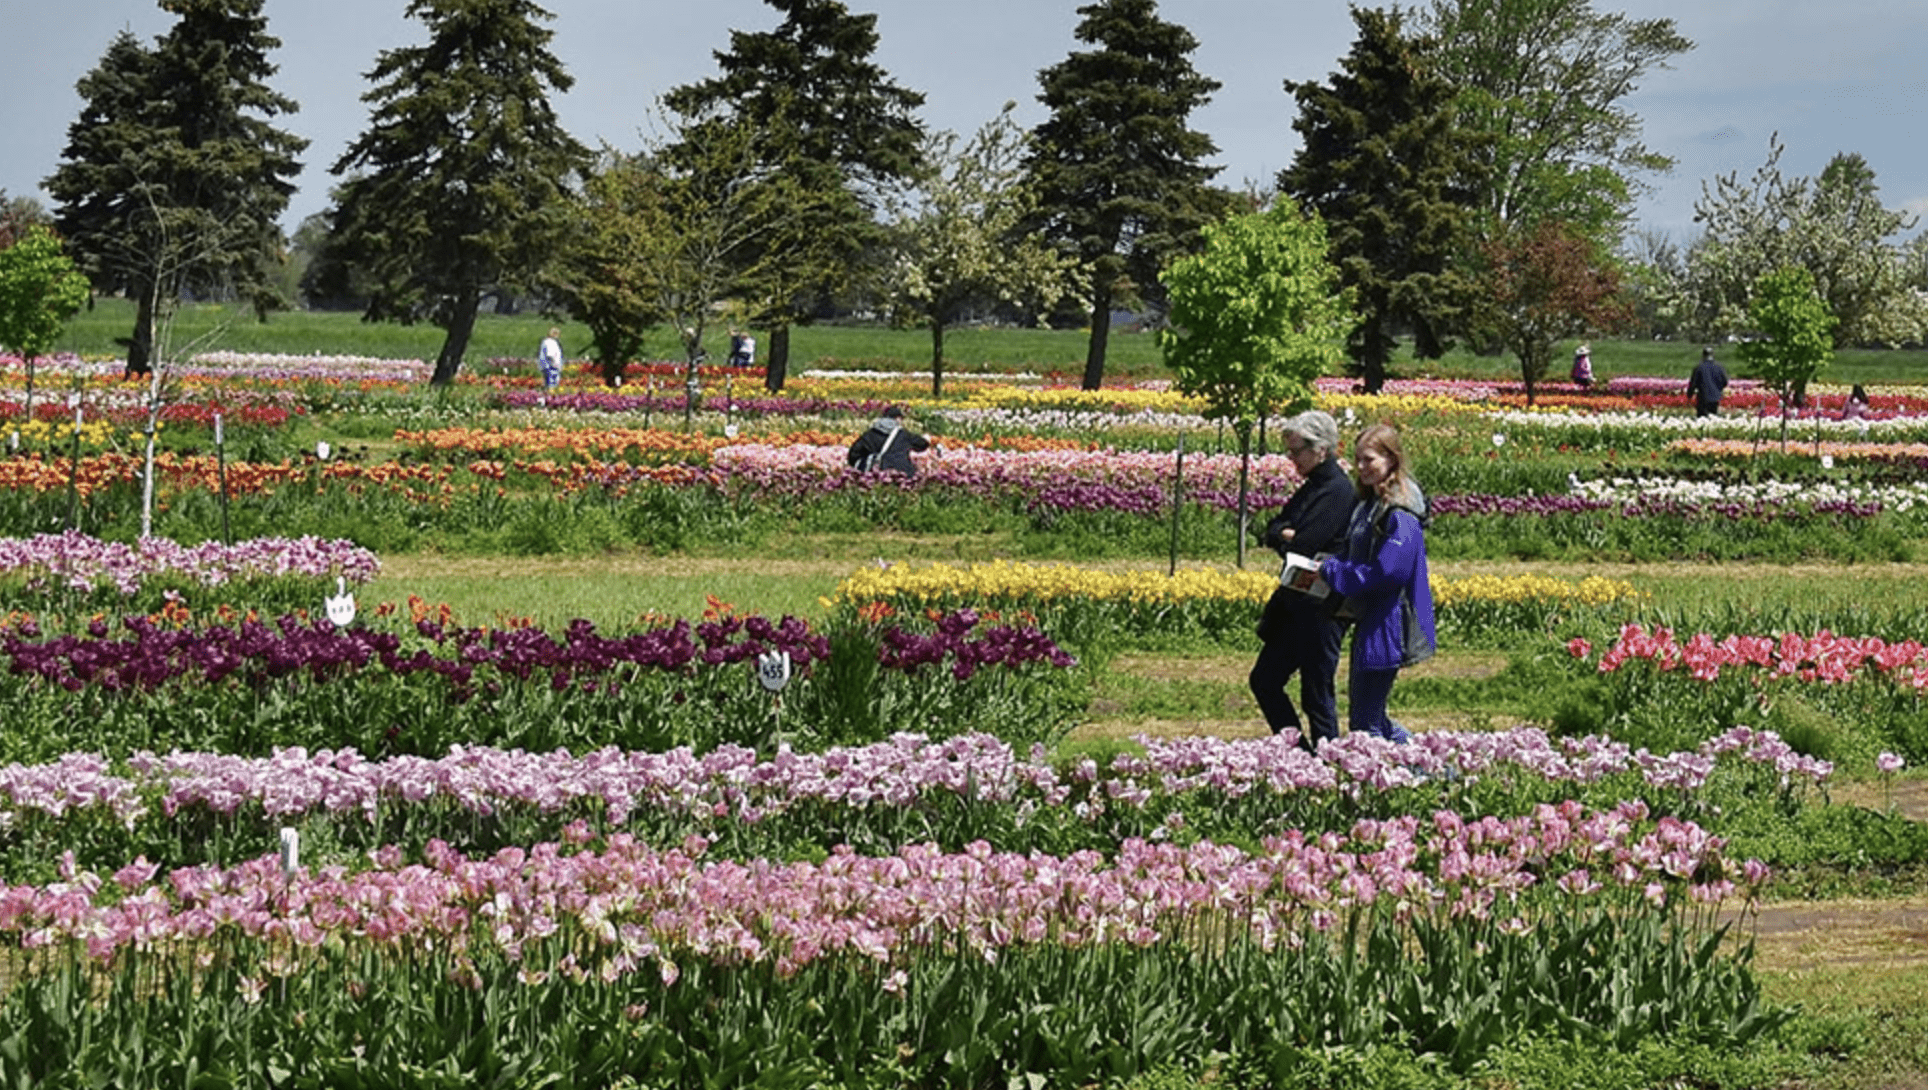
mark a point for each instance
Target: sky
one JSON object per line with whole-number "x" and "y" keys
{"x": 1842, "y": 76}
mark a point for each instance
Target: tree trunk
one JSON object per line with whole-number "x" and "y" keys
{"x": 1375, "y": 350}
{"x": 1244, "y": 488}
{"x": 776, "y": 364}
{"x": 140, "y": 347}
{"x": 461, "y": 326}
{"x": 1094, "y": 373}
{"x": 1526, "y": 379}
{"x": 937, "y": 358}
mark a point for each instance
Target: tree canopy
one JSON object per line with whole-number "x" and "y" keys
{"x": 1545, "y": 283}
{"x": 460, "y": 184}
{"x": 39, "y": 290}
{"x": 1119, "y": 175}
{"x": 1385, "y": 165}
{"x": 1833, "y": 226}
{"x": 959, "y": 237}
{"x": 1256, "y": 316}
{"x": 174, "y": 177}
{"x": 1548, "y": 81}
{"x": 832, "y": 119}
{"x": 1796, "y": 334}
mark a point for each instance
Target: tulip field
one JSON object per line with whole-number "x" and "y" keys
{"x": 269, "y": 817}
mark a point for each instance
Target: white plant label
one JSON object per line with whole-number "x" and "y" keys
{"x": 773, "y": 670}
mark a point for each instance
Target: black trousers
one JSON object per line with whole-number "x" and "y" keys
{"x": 1307, "y": 645}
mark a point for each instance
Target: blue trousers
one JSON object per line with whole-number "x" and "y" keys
{"x": 1309, "y": 647}
{"x": 1367, "y": 692}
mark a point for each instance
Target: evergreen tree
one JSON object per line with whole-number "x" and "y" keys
{"x": 174, "y": 178}
{"x": 460, "y": 184}
{"x": 1118, "y": 175}
{"x": 832, "y": 120}
{"x": 1383, "y": 162}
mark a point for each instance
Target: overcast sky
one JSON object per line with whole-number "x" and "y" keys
{"x": 1845, "y": 75}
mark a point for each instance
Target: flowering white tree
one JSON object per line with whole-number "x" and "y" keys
{"x": 958, "y": 238}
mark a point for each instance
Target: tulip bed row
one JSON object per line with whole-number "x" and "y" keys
{"x": 250, "y": 686}
{"x": 191, "y": 808}
{"x": 1095, "y": 609}
{"x": 1853, "y": 696}
{"x": 953, "y": 967}
{"x": 1091, "y": 503}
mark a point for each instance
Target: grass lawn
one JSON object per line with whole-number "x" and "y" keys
{"x": 1130, "y": 355}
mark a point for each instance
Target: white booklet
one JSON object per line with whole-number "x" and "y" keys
{"x": 1301, "y": 573}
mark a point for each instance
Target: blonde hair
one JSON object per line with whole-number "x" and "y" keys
{"x": 1398, "y": 487}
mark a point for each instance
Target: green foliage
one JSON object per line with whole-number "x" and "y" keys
{"x": 458, "y": 185}
{"x": 1834, "y": 227}
{"x": 39, "y": 290}
{"x": 960, "y": 237}
{"x": 1796, "y": 330}
{"x": 1385, "y": 164}
{"x": 1255, "y": 316}
{"x": 1547, "y": 81}
{"x": 1543, "y": 285}
{"x": 173, "y": 177}
{"x": 1120, "y": 178}
{"x": 829, "y": 121}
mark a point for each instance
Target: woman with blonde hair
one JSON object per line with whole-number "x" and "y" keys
{"x": 1382, "y": 574}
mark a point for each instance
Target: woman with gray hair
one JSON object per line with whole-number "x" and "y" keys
{"x": 1298, "y": 635}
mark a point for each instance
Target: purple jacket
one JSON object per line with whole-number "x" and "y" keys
{"x": 1371, "y": 575}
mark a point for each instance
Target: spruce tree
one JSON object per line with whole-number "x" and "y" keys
{"x": 174, "y": 178}
{"x": 1118, "y": 174}
{"x": 1383, "y": 163}
{"x": 831, "y": 119}
{"x": 460, "y": 185}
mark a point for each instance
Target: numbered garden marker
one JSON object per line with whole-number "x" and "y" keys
{"x": 341, "y": 607}
{"x": 322, "y": 450}
{"x": 729, "y": 431}
{"x": 290, "y": 850}
{"x": 773, "y": 670}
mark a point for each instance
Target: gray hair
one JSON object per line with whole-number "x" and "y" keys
{"x": 1317, "y": 428}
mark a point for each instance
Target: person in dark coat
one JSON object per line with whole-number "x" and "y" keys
{"x": 1299, "y": 635}
{"x": 1706, "y": 384}
{"x": 887, "y": 444}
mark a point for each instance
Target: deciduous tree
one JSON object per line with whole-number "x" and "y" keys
{"x": 1256, "y": 316}
{"x": 1796, "y": 335}
{"x": 460, "y": 184}
{"x": 1385, "y": 165}
{"x": 174, "y": 177}
{"x": 1119, "y": 175}
{"x": 832, "y": 119}
{"x": 1546, "y": 283}
{"x": 958, "y": 237}
{"x": 39, "y": 290}
{"x": 1548, "y": 82}
{"x": 1833, "y": 226}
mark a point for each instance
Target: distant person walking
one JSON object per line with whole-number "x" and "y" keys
{"x": 1706, "y": 384}
{"x": 1857, "y": 404}
{"x": 742, "y": 349}
{"x": 1583, "y": 367}
{"x": 549, "y": 359}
